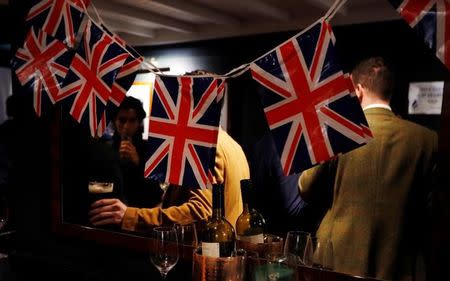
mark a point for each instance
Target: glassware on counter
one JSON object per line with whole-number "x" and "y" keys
{"x": 165, "y": 255}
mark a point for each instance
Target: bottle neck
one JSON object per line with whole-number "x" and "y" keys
{"x": 217, "y": 213}
{"x": 218, "y": 201}
{"x": 246, "y": 200}
{"x": 246, "y": 208}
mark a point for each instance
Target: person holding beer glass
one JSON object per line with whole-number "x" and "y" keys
{"x": 127, "y": 141}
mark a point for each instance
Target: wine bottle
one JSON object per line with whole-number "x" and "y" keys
{"x": 250, "y": 225}
{"x": 219, "y": 238}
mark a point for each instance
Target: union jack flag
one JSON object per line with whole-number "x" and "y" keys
{"x": 59, "y": 18}
{"x": 431, "y": 20}
{"x": 122, "y": 84}
{"x": 93, "y": 70}
{"x": 308, "y": 101}
{"x": 41, "y": 65}
{"x": 183, "y": 129}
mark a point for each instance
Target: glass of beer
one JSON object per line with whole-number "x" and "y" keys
{"x": 100, "y": 190}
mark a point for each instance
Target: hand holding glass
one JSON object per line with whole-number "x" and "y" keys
{"x": 165, "y": 254}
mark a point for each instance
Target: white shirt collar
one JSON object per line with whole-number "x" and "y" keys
{"x": 378, "y": 105}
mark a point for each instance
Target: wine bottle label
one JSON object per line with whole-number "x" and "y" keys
{"x": 258, "y": 238}
{"x": 210, "y": 249}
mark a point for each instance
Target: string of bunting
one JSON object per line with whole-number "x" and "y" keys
{"x": 309, "y": 103}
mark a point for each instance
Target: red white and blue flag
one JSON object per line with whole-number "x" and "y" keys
{"x": 309, "y": 103}
{"x": 88, "y": 85}
{"x": 41, "y": 66}
{"x": 431, "y": 20}
{"x": 59, "y": 18}
{"x": 122, "y": 84}
{"x": 183, "y": 129}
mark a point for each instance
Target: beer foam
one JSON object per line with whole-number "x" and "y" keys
{"x": 100, "y": 187}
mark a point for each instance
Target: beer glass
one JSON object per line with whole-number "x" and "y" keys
{"x": 100, "y": 190}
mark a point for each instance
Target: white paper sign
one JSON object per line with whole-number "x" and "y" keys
{"x": 425, "y": 97}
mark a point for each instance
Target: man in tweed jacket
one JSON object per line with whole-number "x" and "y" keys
{"x": 378, "y": 192}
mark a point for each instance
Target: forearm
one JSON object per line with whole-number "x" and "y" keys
{"x": 196, "y": 209}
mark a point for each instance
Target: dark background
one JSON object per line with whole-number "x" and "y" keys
{"x": 40, "y": 253}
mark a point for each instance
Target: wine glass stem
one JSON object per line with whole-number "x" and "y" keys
{"x": 163, "y": 276}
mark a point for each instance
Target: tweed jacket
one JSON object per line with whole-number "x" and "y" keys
{"x": 378, "y": 198}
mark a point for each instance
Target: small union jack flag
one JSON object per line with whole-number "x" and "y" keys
{"x": 183, "y": 129}
{"x": 122, "y": 84}
{"x": 431, "y": 20}
{"x": 59, "y": 18}
{"x": 41, "y": 65}
{"x": 309, "y": 102}
{"x": 93, "y": 70}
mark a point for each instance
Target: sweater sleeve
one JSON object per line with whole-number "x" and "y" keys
{"x": 197, "y": 208}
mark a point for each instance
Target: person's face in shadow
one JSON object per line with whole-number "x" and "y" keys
{"x": 127, "y": 123}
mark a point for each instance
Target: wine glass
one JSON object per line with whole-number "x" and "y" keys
{"x": 279, "y": 268}
{"x": 295, "y": 245}
{"x": 319, "y": 253}
{"x": 186, "y": 234}
{"x": 165, "y": 254}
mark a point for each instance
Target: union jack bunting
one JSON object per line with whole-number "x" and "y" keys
{"x": 122, "y": 84}
{"x": 41, "y": 66}
{"x": 308, "y": 101}
{"x": 59, "y": 18}
{"x": 93, "y": 70}
{"x": 183, "y": 129}
{"x": 431, "y": 20}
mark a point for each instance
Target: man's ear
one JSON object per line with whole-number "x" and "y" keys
{"x": 359, "y": 91}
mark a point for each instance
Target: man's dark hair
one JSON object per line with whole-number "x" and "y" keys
{"x": 132, "y": 103}
{"x": 375, "y": 75}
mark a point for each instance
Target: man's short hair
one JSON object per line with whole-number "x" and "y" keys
{"x": 375, "y": 75}
{"x": 132, "y": 103}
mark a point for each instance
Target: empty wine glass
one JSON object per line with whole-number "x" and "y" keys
{"x": 319, "y": 253}
{"x": 295, "y": 245}
{"x": 165, "y": 254}
{"x": 186, "y": 234}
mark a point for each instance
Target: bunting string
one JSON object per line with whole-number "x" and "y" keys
{"x": 337, "y": 5}
{"x": 303, "y": 89}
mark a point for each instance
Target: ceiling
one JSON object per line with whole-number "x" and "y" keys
{"x": 156, "y": 22}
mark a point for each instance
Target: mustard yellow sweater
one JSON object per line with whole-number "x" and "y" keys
{"x": 230, "y": 167}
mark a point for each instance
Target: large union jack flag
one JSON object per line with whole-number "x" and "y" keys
{"x": 124, "y": 80}
{"x": 309, "y": 102}
{"x": 87, "y": 87}
{"x": 183, "y": 129}
{"x": 59, "y": 18}
{"x": 431, "y": 20}
{"x": 41, "y": 66}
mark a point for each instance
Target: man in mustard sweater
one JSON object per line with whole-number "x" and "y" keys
{"x": 376, "y": 220}
{"x": 230, "y": 167}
